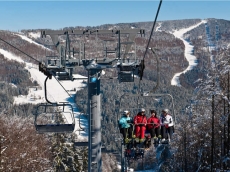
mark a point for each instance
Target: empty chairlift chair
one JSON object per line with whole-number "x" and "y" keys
{"x": 54, "y": 118}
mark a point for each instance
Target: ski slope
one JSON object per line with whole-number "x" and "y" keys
{"x": 188, "y": 53}
{"x": 33, "y": 35}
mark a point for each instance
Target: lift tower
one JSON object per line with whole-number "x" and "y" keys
{"x": 122, "y": 57}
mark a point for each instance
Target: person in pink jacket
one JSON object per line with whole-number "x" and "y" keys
{"x": 153, "y": 125}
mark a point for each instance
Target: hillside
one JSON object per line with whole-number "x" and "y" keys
{"x": 15, "y": 80}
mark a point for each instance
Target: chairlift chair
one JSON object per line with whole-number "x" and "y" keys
{"x": 122, "y": 105}
{"x": 128, "y": 64}
{"x": 54, "y": 117}
{"x": 49, "y": 118}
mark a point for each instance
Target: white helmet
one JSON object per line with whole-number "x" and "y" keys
{"x": 126, "y": 112}
{"x": 142, "y": 110}
{"x": 165, "y": 110}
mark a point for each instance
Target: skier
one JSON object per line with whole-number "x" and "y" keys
{"x": 153, "y": 126}
{"x": 166, "y": 122}
{"x": 140, "y": 122}
{"x": 125, "y": 124}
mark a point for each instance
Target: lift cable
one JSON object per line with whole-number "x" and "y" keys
{"x": 20, "y": 50}
{"x": 154, "y": 23}
{"x": 147, "y": 47}
{"x": 36, "y": 61}
{"x": 64, "y": 88}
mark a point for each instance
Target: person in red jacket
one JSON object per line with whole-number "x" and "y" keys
{"x": 153, "y": 125}
{"x": 140, "y": 122}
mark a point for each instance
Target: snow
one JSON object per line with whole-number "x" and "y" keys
{"x": 158, "y": 28}
{"x": 55, "y": 93}
{"x": 188, "y": 52}
{"x": 34, "y": 35}
{"x": 129, "y": 170}
{"x": 11, "y": 56}
{"x": 13, "y": 85}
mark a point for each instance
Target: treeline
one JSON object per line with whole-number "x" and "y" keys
{"x": 204, "y": 130}
{"x": 22, "y": 149}
{"x": 12, "y": 72}
{"x": 14, "y": 81}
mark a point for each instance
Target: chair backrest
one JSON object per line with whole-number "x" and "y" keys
{"x": 54, "y": 118}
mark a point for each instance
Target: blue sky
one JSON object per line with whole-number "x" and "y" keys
{"x": 18, "y": 15}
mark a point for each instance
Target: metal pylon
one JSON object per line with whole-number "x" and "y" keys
{"x": 94, "y": 121}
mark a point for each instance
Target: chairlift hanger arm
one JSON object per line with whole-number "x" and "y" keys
{"x": 158, "y": 71}
{"x": 46, "y": 92}
{"x": 42, "y": 68}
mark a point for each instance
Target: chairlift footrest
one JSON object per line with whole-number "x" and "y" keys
{"x": 58, "y": 128}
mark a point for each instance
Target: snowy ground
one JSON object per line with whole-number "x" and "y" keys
{"x": 188, "y": 52}
{"x": 55, "y": 92}
{"x": 158, "y": 28}
{"x": 32, "y": 35}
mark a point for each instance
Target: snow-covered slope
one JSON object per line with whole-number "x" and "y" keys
{"x": 188, "y": 52}
{"x": 33, "y": 35}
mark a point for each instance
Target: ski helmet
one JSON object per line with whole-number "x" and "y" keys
{"x": 165, "y": 110}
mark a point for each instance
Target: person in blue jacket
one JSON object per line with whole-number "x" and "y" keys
{"x": 125, "y": 124}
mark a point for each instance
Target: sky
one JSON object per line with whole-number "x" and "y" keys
{"x": 18, "y": 15}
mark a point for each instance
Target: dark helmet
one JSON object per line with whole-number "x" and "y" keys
{"x": 153, "y": 111}
{"x": 141, "y": 110}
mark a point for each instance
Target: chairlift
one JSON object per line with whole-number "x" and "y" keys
{"x": 127, "y": 71}
{"x": 61, "y": 64}
{"x": 54, "y": 117}
{"x": 147, "y": 101}
{"x": 128, "y": 66}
